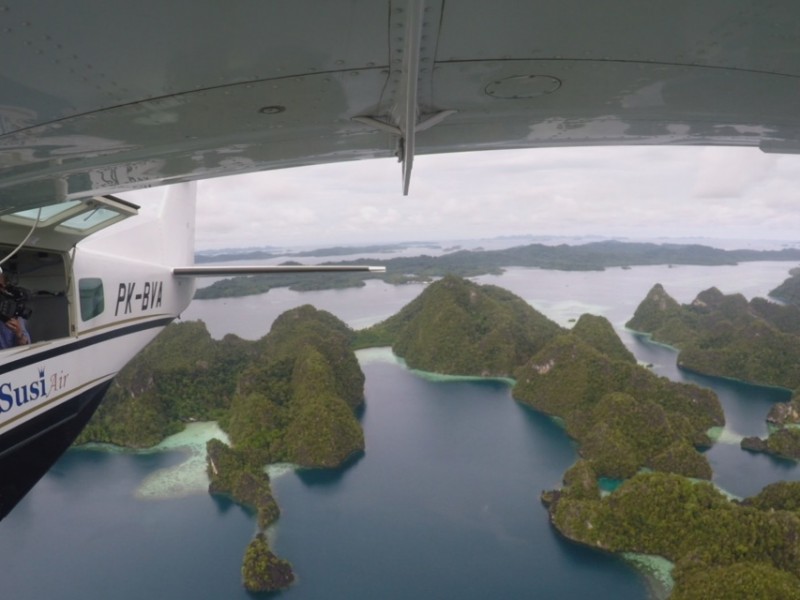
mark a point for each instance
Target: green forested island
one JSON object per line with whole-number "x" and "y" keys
{"x": 721, "y": 549}
{"x": 291, "y": 396}
{"x": 789, "y": 290}
{"x": 594, "y": 256}
{"x": 183, "y": 376}
{"x": 725, "y": 335}
{"x": 624, "y": 417}
{"x": 784, "y": 438}
{"x": 458, "y": 327}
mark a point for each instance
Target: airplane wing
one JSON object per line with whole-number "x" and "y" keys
{"x": 103, "y": 96}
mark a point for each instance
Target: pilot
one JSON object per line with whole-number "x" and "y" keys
{"x": 12, "y": 332}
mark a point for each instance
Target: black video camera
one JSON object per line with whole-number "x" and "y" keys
{"x": 14, "y": 303}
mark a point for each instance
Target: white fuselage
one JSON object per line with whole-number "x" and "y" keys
{"x": 95, "y": 305}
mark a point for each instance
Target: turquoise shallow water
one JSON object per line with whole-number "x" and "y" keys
{"x": 444, "y": 503}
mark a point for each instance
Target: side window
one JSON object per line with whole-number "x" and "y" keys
{"x": 91, "y": 297}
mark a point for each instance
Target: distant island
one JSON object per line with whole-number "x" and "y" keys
{"x": 594, "y": 256}
{"x": 290, "y": 397}
{"x": 232, "y": 255}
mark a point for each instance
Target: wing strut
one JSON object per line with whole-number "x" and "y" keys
{"x": 403, "y": 118}
{"x": 222, "y": 271}
{"x": 407, "y": 99}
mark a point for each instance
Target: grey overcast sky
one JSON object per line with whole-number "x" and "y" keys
{"x": 639, "y": 192}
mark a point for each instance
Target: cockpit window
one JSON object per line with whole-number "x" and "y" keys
{"x": 92, "y": 299}
{"x": 61, "y": 225}
{"x": 90, "y": 219}
{"x": 45, "y": 213}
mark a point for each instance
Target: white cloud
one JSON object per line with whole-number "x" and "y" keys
{"x": 730, "y": 172}
{"x": 631, "y": 191}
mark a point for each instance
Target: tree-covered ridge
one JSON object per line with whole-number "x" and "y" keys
{"x": 725, "y": 335}
{"x": 231, "y": 474}
{"x": 183, "y": 375}
{"x": 290, "y": 396}
{"x": 306, "y": 327}
{"x": 721, "y": 549}
{"x": 599, "y": 333}
{"x": 789, "y": 290}
{"x": 263, "y": 571}
{"x": 295, "y": 402}
{"x": 304, "y": 370}
{"x": 623, "y": 416}
{"x": 458, "y": 327}
{"x": 594, "y": 256}
{"x": 781, "y": 495}
{"x": 660, "y": 315}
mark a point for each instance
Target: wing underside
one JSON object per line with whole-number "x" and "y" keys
{"x": 118, "y": 96}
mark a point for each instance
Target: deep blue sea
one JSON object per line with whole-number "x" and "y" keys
{"x": 444, "y": 503}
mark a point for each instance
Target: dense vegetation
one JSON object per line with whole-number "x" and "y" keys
{"x": 262, "y": 571}
{"x": 721, "y": 549}
{"x": 231, "y": 474}
{"x": 184, "y": 375}
{"x": 458, "y": 327}
{"x": 789, "y": 290}
{"x": 600, "y": 335}
{"x": 725, "y": 335}
{"x": 623, "y": 416}
{"x": 465, "y": 263}
{"x": 290, "y": 396}
{"x": 296, "y": 402}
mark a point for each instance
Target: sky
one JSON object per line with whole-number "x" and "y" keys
{"x": 632, "y": 192}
